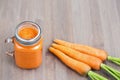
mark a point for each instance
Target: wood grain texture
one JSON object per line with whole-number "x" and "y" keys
{"x": 91, "y": 22}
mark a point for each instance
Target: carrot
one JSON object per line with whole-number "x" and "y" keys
{"x": 92, "y": 61}
{"x": 74, "y": 64}
{"x": 84, "y": 49}
{"x": 89, "y": 50}
{"x": 77, "y": 66}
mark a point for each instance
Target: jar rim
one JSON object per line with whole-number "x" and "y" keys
{"x": 25, "y": 41}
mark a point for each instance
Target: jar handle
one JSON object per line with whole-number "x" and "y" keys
{"x": 8, "y": 40}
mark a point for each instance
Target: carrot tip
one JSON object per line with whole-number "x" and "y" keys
{"x": 53, "y": 44}
{"x": 55, "y": 40}
{"x": 50, "y": 48}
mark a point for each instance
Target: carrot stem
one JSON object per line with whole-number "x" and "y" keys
{"x": 113, "y": 72}
{"x": 95, "y": 76}
{"x": 114, "y": 60}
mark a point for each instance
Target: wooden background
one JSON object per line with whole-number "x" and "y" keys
{"x": 91, "y": 22}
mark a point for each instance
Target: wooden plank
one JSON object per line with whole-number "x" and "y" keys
{"x": 91, "y": 22}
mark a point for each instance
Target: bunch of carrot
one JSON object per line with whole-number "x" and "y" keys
{"x": 82, "y": 59}
{"x": 101, "y": 54}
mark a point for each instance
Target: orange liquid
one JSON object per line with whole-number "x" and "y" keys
{"x": 28, "y": 57}
{"x": 28, "y": 32}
